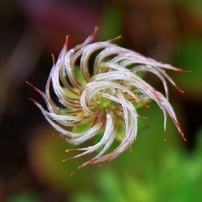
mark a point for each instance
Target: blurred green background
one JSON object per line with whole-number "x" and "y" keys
{"x": 31, "y": 167}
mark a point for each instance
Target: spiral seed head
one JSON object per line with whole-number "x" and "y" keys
{"x": 95, "y": 89}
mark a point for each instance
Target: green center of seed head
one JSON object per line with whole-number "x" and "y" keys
{"x": 103, "y": 104}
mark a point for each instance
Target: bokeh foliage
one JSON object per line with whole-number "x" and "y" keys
{"x": 155, "y": 170}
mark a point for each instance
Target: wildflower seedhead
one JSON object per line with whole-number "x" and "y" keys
{"x": 95, "y": 90}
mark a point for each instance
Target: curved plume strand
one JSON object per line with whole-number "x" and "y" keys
{"x": 104, "y": 140}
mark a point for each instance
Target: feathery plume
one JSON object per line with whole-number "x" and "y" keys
{"x": 97, "y": 91}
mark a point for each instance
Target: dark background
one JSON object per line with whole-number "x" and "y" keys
{"x": 31, "y": 30}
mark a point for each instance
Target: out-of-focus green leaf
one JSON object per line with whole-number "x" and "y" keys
{"x": 47, "y": 153}
{"x": 23, "y": 197}
{"x": 188, "y": 57}
{"x": 111, "y": 23}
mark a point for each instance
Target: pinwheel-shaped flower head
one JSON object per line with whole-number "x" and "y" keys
{"x": 94, "y": 90}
